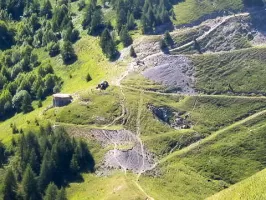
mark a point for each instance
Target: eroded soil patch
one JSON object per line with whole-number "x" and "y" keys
{"x": 126, "y": 153}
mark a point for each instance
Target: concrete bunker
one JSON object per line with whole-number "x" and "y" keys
{"x": 60, "y": 100}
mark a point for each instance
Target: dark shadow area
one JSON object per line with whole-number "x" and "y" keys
{"x": 162, "y": 28}
{"x": 165, "y": 50}
{"x": 71, "y": 61}
{"x": 73, "y": 179}
{"x": 174, "y": 2}
{"x": 115, "y": 57}
{"x": 253, "y": 3}
{"x": 98, "y": 31}
{"x": 258, "y": 19}
{"x": 7, "y": 115}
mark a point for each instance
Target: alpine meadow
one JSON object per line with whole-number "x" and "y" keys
{"x": 132, "y": 99}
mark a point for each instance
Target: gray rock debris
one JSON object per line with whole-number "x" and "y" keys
{"x": 135, "y": 158}
{"x": 175, "y": 72}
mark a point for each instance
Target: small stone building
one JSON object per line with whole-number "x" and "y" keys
{"x": 60, "y": 100}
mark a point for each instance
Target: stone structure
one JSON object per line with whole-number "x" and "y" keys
{"x": 60, "y": 100}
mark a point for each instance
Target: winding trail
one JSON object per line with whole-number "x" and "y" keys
{"x": 193, "y": 95}
{"x": 141, "y": 189}
{"x": 139, "y": 133}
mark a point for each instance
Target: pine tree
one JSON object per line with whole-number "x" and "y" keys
{"x": 67, "y": 52}
{"x": 29, "y": 185}
{"x": 96, "y": 22}
{"x": 46, "y": 173}
{"x": 197, "y": 46}
{"x": 2, "y": 154}
{"x": 26, "y": 103}
{"x": 130, "y": 21}
{"x": 10, "y": 186}
{"x": 132, "y": 52}
{"x": 145, "y": 24}
{"x": 162, "y": 44}
{"x": 39, "y": 94}
{"x": 107, "y": 44}
{"x": 87, "y": 17}
{"x": 51, "y": 192}
{"x": 33, "y": 161}
{"x": 74, "y": 165}
{"x": 88, "y": 77}
{"x": 61, "y": 194}
{"x": 121, "y": 19}
{"x": 93, "y": 4}
{"x": 125, "y": 37}
{"x": 39, "y": 103}
{"x": 168, "y": 39}
{"x": 53, "y": 48}
{"x": 164, "y": 16}
{"x": 46, "y": 9}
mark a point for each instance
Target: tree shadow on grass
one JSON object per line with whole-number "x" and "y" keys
{"x": 71, "y": 61}
{"x": 115, "y": 57}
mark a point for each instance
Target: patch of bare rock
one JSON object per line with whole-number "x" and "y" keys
{"x": 128, "y": 152}
{"x": 175, "y": 119}
{"x": 174, "y": 72}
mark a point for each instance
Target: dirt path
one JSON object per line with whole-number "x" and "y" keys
{"x": 138, "y": 126}
{"x": 193, "y": 95}
{"x": 141, "y": 189}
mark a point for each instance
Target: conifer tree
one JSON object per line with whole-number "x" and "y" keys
{"x": 51, "y": 192}
{"x": 130, "y": 21}
{"x": 87, "y": 17}
{"x": 61, "y": 194}
{"x": 125, "y": 37}
{"x": 162, "y": 44}
{"x": 26, "y": 103}
{"x": 29, "y": 185}
{"x": 2, "y": 154}
{"x": 74, "y": 165}
{"x": 168, "y": 39}
{"x": 132, "y": 52}
{"x": 88, "y": 77}
{"x": 107, "y": 44}
{"x": 96, "y": 22}
{"x": 145, "y": 24}
{"x": 67, "y": 52}
{"x": 46, "y": 9}
{"x": 46, "y": 173}
{"x": 121, "y": 19}
{"x": 53, "y": 48}
{"x": 10, "y": 186}
{"x": 33, "y": 161}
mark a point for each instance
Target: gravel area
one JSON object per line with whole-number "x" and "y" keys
{"x": 175, "y": 72}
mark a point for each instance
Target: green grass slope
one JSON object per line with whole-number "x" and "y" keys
{"x": 240, "y": 71}
{"x": 191, "y": 10}
{"x": 252, "y": 188}
{"x": 233, "y": 155}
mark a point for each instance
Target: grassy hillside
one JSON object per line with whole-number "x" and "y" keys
{"x": 233, "y": 155}
{"x": 114, "y": 187}
{"x": 191, "y": 10}
{"x": 237, "y": 72}
{"x": 250, "y": 188}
